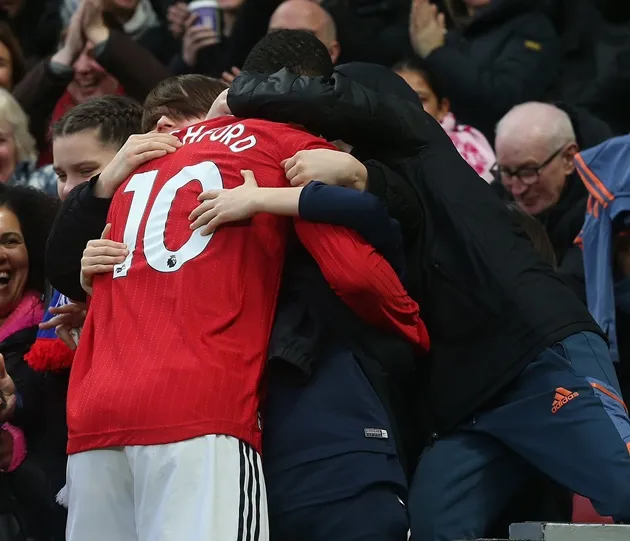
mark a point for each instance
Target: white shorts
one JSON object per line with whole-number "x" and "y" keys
{"x": 205, "y": 489}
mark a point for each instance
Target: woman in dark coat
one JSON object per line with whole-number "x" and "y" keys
{"x": 26, "y": 491}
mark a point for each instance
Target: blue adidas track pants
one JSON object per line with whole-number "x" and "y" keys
{"x": 563, "y": 416}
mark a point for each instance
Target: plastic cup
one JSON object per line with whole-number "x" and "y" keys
{"x": 208, "y": 14}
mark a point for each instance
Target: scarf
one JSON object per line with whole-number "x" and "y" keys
{"x": 472, "y": 146}
{"x": 26, "y": 314}
{"x": 49, "y": 352}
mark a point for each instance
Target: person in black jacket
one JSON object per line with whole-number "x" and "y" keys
{"x": 520, "y": 372}
{"x": 499, "y": 53}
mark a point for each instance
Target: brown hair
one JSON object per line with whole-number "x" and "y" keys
{"x": 7, "y": 37}
{"x": 181, "y": 97}
{"x": 536, "y": 232}
{"x": 115, "y": 117}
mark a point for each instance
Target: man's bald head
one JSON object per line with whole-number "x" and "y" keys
{"x": 310, "y": 16}
{"x": 538, "y": 123}
{"x": 535, "y": 144}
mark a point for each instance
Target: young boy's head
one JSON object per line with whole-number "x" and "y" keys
{"x": 178, "y": 102}
{"x": 88, "y": 137}
{"x": 298, "y": 51}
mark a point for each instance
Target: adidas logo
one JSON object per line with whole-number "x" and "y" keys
{"x": 562, "y": 397}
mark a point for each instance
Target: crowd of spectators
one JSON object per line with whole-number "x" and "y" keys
{"x": 532, "y": 93}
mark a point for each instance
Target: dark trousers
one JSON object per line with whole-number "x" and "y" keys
{"x": 563, "y": 416}
{"x": 376, "y": 514}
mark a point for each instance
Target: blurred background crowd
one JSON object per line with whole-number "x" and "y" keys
{"x": 522, "y": 87}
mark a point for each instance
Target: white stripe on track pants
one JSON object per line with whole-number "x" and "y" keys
{"x": 205, "y": 489}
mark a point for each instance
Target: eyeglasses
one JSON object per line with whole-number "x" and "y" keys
{"x": 528, "y": 174}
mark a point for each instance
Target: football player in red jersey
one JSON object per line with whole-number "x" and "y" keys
{"x": 169, "y": 449}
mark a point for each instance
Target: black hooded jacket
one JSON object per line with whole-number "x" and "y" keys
{"x": 489, "y": 301}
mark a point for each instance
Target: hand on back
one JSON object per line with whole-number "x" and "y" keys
{"x": 327, "y": 166}
{"x": 99, "y": 257}
{"x": 138, "y": 150}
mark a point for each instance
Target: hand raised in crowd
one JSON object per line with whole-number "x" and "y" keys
{"x": 74, "y": 41}
{"x": 427, "y": 28}
{"x": 328, "y": 166}
{"x": 219, "y": 207}
{"x": 137, "y": 150}
{"x": 229, "y": 76}
{"x": 195, "y": 39}
{"x": 68, "y": 318}
{"x": 179, "y": 18}
{"x": 7, "y": 390}
{"x": 220, "y": 106}
{"x": 93, "y": 23}
{"x": 100, "y": 256}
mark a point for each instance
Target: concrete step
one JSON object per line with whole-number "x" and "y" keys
{"x": 547, "y": 531}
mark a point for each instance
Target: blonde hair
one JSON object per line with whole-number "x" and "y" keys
{"x": 15, "y": 117}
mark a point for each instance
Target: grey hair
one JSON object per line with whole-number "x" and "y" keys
{"x": 14, "y": 115}
{"x": 549, "y": 121}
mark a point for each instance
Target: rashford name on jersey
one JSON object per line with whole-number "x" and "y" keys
{"x": 232, "y": 136}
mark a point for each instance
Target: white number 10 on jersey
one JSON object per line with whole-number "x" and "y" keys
{"x": 158, "y": 256}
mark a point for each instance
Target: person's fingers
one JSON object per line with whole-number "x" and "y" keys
{"x": 441, "y": 21}
{"x": 90, "y": 262}
{"x": 152, "y": 155}
{"x": 291, "y": 173}
{"x": 189, "y": 20}
{"x": 106, "y": 231}
{"x": 155, "y": 136}
{"x": 212, "y": 226}
{"x": 53, "y": 322}
{"x": 201, "y": 208}
{"x": 207, "y": 42}
{"x": 98, "y": 269}
{"x": 249, "y": 179}
{"x": 198, "y": 32}
{"x": 298, "y": 180}
{"x": 150, "y": 146}
{"x": 93, "y": 249}
{"x": 66, "y": 309}
{"x": 204, "y": 219}
{"x": 3, "y": 368}
{"x": 289, "y": 163}
{"x": 209, "y": 195}
{"x": 227, "y": 77}
{"x": 236, "y": 71}
{"x": 63, "y": 332}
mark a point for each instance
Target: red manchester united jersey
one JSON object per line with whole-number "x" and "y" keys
{"x": 175, "y": 339}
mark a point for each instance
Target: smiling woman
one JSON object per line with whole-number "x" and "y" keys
{"x": 26, "y": 216}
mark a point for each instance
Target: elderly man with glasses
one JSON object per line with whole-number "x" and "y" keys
{"x": 535, "y": 145}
